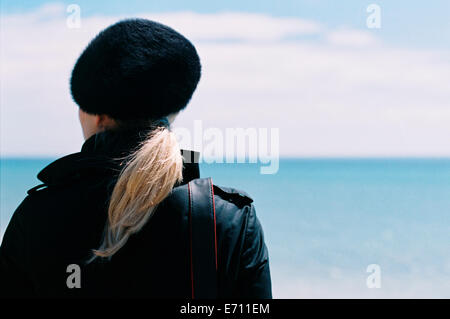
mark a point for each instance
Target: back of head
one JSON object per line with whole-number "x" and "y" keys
{"x": 136, "y": 69}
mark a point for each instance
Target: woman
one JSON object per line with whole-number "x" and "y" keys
{"x": 125, "y": 216}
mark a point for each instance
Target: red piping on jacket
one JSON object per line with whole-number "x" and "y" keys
{"x": 190, "y": 233}
{"x": 214, "y": 211}
{"x": 190, "y": 241}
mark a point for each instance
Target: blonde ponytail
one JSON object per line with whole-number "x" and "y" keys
{"x": 145, "y": 181}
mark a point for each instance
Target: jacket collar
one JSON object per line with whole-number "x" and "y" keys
{"x": 102, "y": 153}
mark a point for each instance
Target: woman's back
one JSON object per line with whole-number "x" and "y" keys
{"x": 58, "y": 225}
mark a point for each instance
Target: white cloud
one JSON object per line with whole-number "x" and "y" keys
{"x": 355, "y": 38}
{"x": 236, "y": 26}
{"x": 342, "y": 93}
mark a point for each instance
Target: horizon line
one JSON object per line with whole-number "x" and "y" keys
{"x": 289, "y": 157}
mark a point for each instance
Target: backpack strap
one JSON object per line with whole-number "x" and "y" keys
{"x": 203, "y": 239}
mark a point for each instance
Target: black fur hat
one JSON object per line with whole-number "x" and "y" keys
{"x": 136, "y": 69}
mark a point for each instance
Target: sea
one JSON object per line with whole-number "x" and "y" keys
{"x": 334, "y": 227}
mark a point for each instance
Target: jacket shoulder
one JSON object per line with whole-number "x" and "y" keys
{"x": 234, "y": 210}
{"x": 36, "y": 188}
{"x": 232, "y": 195}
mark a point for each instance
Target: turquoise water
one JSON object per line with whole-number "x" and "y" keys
{"x": 326, "y": 220}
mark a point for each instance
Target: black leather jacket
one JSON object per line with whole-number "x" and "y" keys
{"x": 60, "y": 222}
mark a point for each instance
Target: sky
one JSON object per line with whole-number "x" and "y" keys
{"x": 313, "y": 69}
